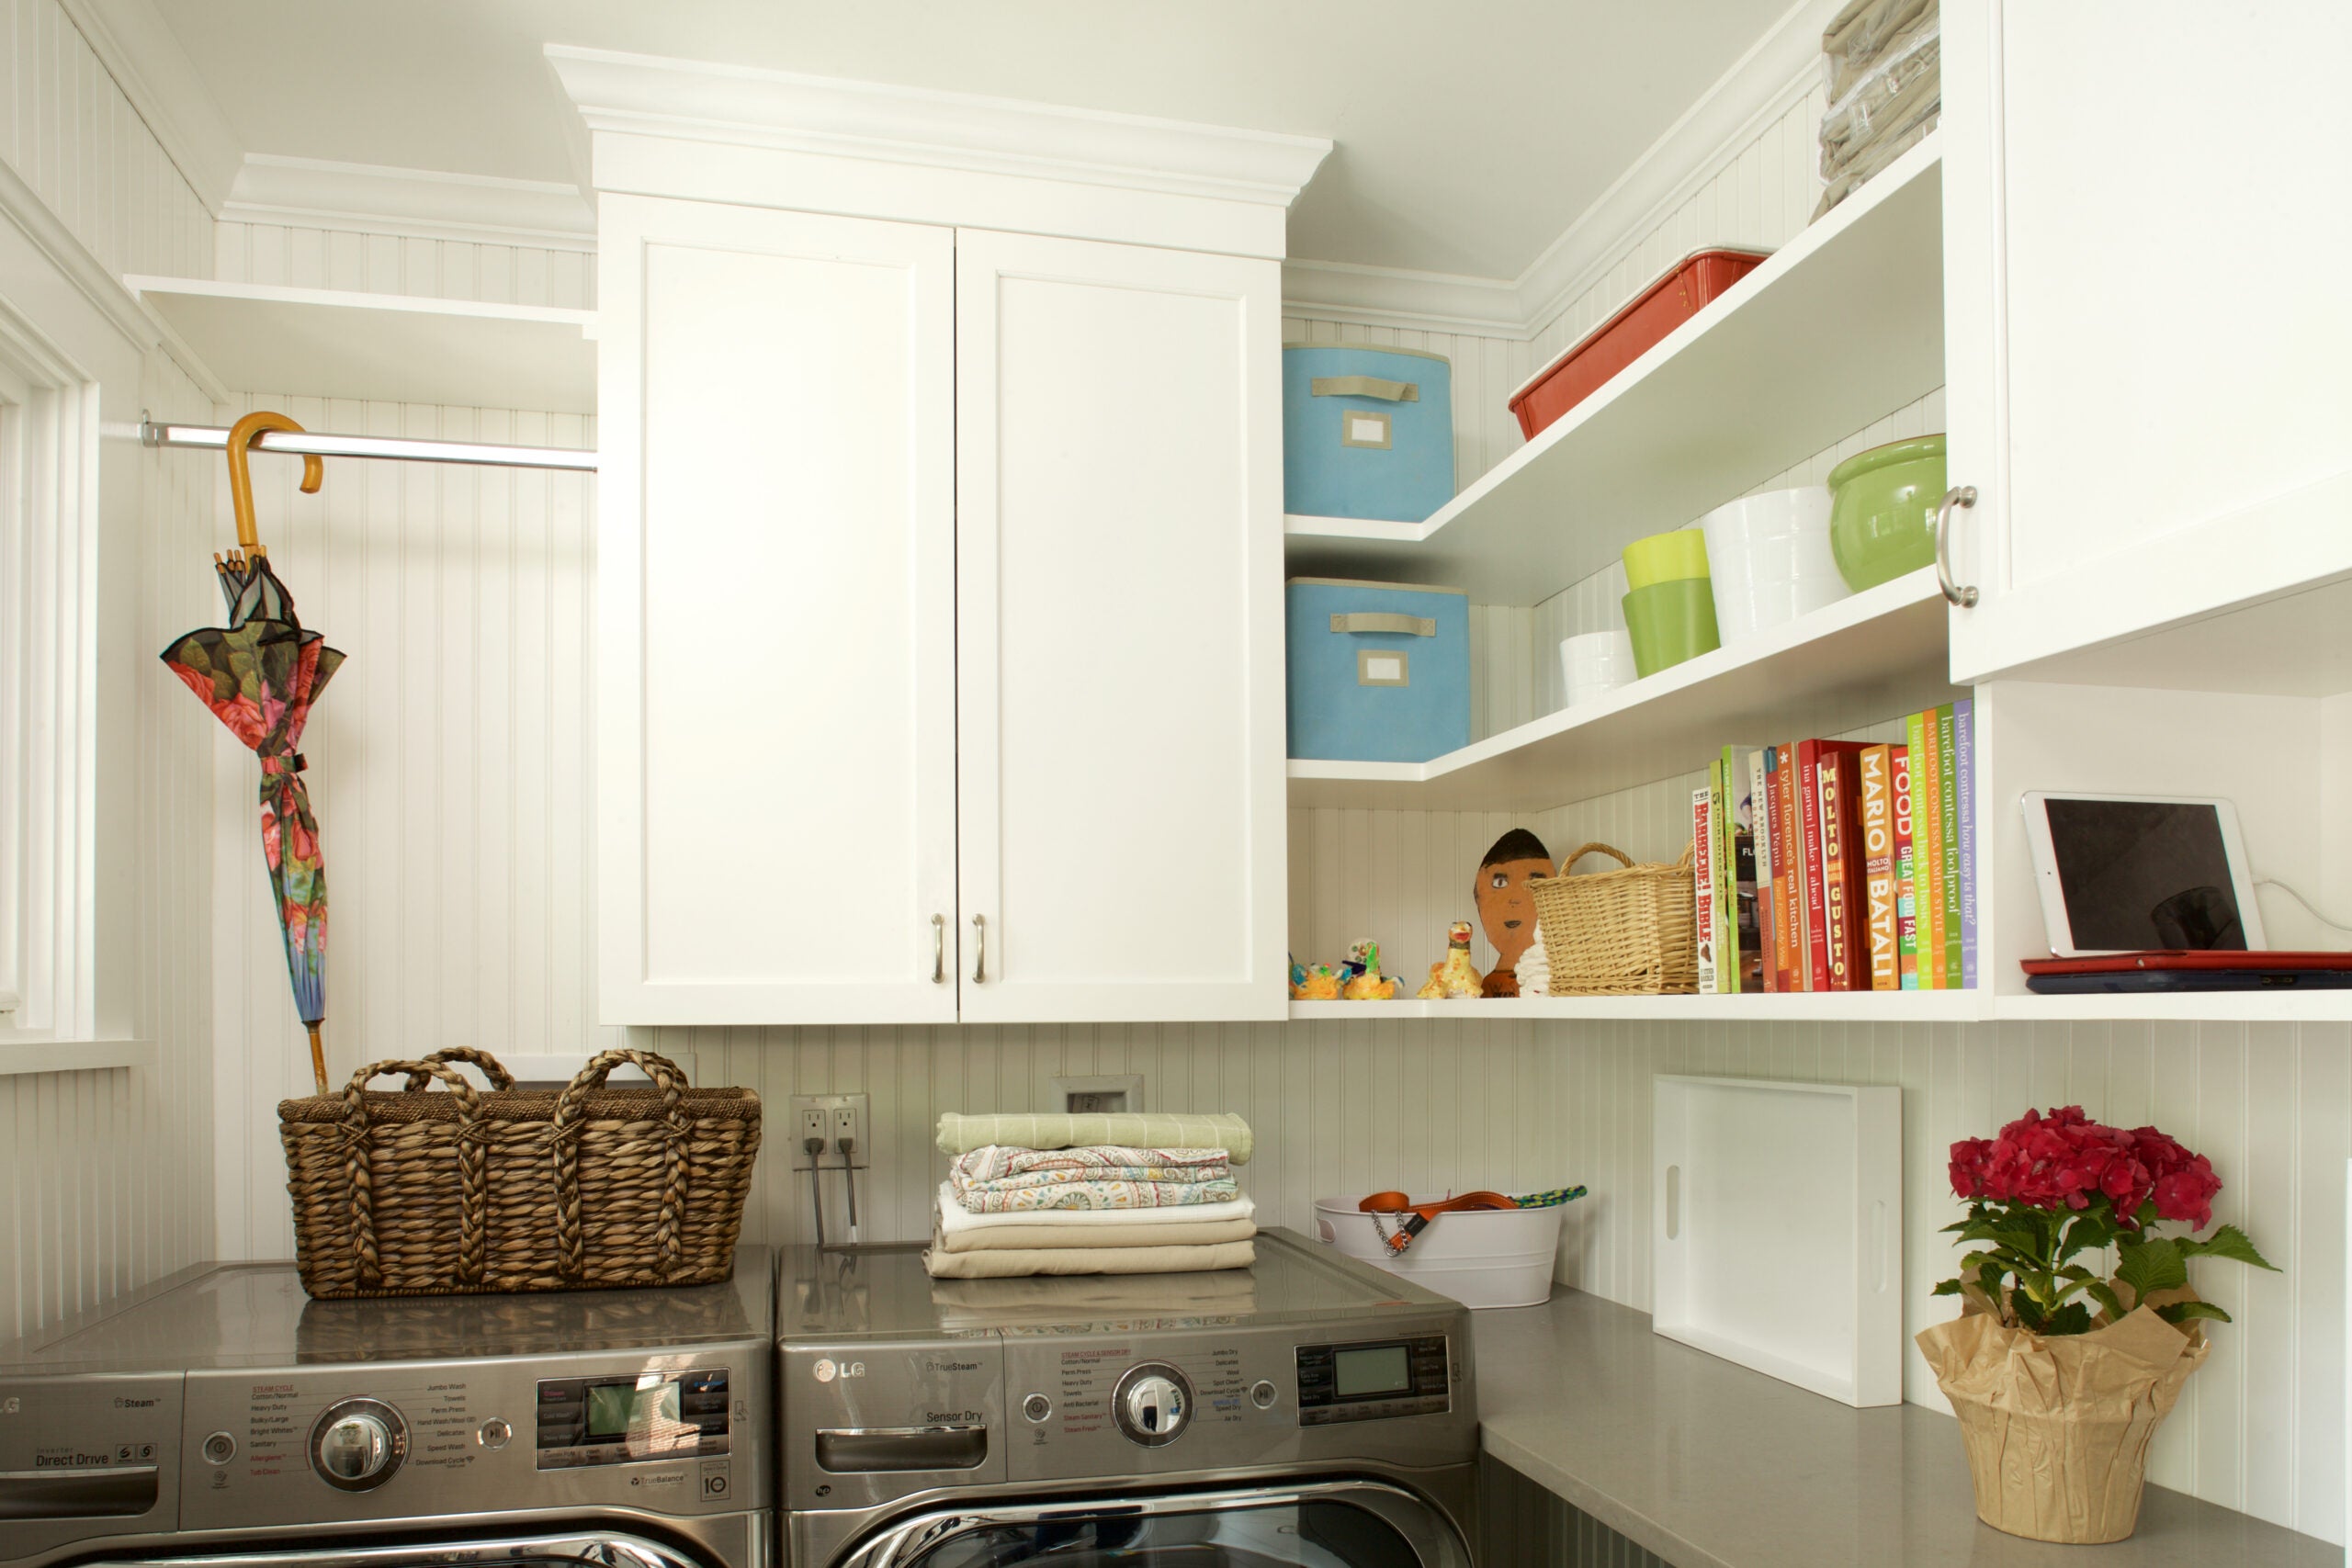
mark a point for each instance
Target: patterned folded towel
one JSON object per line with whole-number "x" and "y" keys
{"x": 955, "y": 1219}
{"x": 1110, "y": 1193}
{"x": 1097, "y": 1162}
{"x": 961, "y": 1134}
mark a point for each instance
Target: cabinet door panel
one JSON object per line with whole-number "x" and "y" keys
{"x": 1119, "y": 721}
{"x": 2146, "y": 336}
{"x": 777, "y": 560}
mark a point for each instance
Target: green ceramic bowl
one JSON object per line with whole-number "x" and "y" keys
{"x": 1670, "y": 621}
{"x": 1883, "y": 510}
{"x": 1665, "y": 557}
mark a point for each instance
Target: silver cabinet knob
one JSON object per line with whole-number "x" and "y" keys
{"x": 1152, "y": 1404}
{"x": 1961, "y": 496}
{"x": 358, "y": 1445}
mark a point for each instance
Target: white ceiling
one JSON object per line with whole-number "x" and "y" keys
{"x": 1469, "y": 133}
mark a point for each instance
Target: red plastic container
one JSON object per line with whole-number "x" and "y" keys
{"x": 1627, "y": 335}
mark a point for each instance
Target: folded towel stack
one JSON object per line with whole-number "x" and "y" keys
{"x": 1116, "y": 1194}
{"x": 1885, "y": 90}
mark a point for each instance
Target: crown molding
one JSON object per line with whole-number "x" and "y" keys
{"x": 138, "y": 50}
{"x": 1774, "y": 76}
{"x": 312, "y": 193}
{"x": 1394, "y": 297}
{"x": 22, "y": 208}
{"x": 740, "y": 106}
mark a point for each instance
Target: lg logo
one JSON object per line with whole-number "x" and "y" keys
{"x": 827, "y": 1369}
{"x": 9, "y": 1406}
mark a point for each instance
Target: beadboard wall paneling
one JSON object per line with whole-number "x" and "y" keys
{"x": 449, "y": 768}
{"x": 392, "y": 264}
{"x": 71, "y": 134}
{"x": 105, "y": 1176}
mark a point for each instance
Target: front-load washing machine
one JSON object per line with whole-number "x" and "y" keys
{"x": 1307, "y": 1412}
{"x": 222, "y": 1419}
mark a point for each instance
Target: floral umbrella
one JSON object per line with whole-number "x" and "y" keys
{"x": 259, "y": 675}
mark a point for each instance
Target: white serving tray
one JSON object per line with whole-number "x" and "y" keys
{"x": 1780, "y": 1229}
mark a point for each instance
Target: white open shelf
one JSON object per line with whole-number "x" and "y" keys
{"x": 1843, "y": 323}
{"x": 331, "y": 342}
{"x": 1845, "y": 1007}
{"x": 1881, "y": 652}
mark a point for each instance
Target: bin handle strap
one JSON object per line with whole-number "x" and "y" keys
{"x": 1364, "y": 387}
{"x": 1384, "y": 621}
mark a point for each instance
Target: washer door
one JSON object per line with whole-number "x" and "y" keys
{"x": 1339, "y": 1524}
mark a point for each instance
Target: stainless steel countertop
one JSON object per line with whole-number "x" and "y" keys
{"x": 1711, "y": 1465}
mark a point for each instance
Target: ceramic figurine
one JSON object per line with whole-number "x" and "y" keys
{"x": 1534, "y": 967}
{"x": 1315, "y": 983}
{"x": 1361, "y": 980}
{"x": 1454, "y": 976}
{"x": 1506, "y": 906}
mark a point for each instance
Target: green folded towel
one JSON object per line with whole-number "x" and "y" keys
{"x": 961, "y": 1134}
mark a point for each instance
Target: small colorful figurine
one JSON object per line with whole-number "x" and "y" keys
{"x": 1314, "y": 982}
{"x": 1506, "y": 906}
{"x": 1454, "y": 976}
{"x": 1360, "y": 979}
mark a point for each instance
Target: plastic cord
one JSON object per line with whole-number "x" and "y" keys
{"x": 816, "y": 1187}
{"x": 2332, "y": 925}
{"x": 849, "y": 1174}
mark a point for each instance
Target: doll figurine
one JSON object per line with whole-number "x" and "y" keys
{"x": 1453, "y": 976}
{"x": 1506, "y": 905}
{"x": 1314, "y": 982}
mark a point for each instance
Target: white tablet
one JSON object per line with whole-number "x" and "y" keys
{"x": 2131, "y": 872}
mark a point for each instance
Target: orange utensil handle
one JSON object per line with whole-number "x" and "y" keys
{"x": 1418, "y": 1215}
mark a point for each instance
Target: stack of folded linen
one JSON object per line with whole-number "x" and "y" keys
{"x": 1121, "y": 1194}
{"x": 1885, "y": 90}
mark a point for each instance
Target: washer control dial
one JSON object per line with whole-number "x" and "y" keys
{"x": 1152, "y": 1404}
{"x": 357, "y": 1444}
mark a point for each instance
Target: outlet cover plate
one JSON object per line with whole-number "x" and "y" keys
{"x": 1115, "y": 1092}
{"x": 825, "y": 1106}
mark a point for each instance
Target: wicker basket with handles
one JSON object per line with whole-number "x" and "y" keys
{"x": 404, "y": 1193}
{"x": 1619, "y": 933}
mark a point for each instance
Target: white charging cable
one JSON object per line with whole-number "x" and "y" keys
{"x": 2340, "y": 930}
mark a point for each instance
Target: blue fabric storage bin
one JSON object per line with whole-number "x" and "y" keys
{"x": 1376, "y": 442}
{"x": 1379, "y": 672}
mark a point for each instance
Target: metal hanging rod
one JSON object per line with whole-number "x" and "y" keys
{"x": 404, "y": 449}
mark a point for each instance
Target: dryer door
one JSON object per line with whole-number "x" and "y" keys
{"x": 585, "y": 1550}
{"x": 1339, "y": 1524}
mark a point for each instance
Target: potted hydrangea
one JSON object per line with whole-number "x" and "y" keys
{"x": 2060, "y": 1374}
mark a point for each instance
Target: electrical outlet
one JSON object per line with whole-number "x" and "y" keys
{"x": 1109, "y": 1094}
{"x": 829, "y": 1117}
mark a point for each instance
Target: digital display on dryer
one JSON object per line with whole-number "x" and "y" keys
{"x": 1374, "y": 1382}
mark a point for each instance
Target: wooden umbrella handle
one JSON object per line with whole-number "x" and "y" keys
{"x": 242, "y": 435}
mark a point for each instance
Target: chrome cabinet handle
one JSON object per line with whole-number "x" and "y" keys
{"x": 981, "y": 954}
{"x": 938, "y": 950}
{"x": 1965, "y": 495}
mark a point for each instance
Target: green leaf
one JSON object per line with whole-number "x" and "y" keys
{"x": 2104, "y": 1294}
{"x": 1946, "y": 1288}
{"x": 2227, "y": 1242}
{"x": 2093, "y": 1227}
{"x": 2177, "y": 1313}
{"x": 2150, "y": 1265}
{"x": 2029, "y": 1312}
{"x": 2072, "y": 1318}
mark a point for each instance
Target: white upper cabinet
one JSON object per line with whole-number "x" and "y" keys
{"x": 940, "y": 638}
{"x": 2146, "y": 331}
{"x": 1119, "y": 628}
{"x": 777, "y": 558}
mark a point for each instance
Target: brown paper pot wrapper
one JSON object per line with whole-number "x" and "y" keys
{"x": 2058, "y": 1429}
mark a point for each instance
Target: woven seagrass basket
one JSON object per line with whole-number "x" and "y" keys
{"x": 399, "y": 1193}
{"x": 1619, "y": 933}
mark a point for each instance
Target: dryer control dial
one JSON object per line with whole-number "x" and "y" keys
{"x": 1152, "y": 1404}
{"x": 357, "y": 1444}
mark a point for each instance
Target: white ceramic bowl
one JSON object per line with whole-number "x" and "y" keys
{"x": 1771, "y": 560}
{"x": 1593, "y": 664}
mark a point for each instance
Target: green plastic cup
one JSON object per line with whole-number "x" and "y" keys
{"x": 1670, "y": 621}
{"x": 1665, "y": 557}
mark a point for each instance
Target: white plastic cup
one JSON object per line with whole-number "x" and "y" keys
{"x": 1771, "y": 559}
{"x": 1593, "y": 664}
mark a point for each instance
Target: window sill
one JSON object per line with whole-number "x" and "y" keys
{"x": 73, "y": 1055}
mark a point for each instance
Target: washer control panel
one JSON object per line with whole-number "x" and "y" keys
{"x": 632, "y": 1419}
{"x": 1374, "y": 1380}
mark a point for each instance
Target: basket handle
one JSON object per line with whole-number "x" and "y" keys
{"x": 491, "y": 1068}
{"x": 570, "y": 1110}
{"x": 474, "y": 1167}
{"x": 1597, "y": 846}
